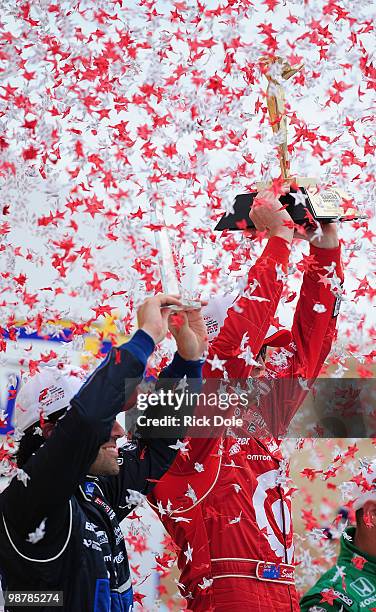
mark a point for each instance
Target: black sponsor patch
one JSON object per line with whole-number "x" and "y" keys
{"x": 345, "y": 598}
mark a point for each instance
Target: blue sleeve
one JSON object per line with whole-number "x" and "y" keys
{"x": 104, "y": 394}
{"x": 60, "y": 464}
{"x": 141, "y": 345}
{"x": 179, "y": 368}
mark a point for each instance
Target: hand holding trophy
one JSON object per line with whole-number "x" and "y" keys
{"x": 268, "y": 215}
{"x": 305, "y": 202}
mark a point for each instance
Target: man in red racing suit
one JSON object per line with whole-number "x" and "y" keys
{"x": 224, "y": 503}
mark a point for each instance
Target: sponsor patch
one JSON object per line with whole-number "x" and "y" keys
{"x": 275, "y": 572}
{"x": 212, "y": 325}
{"x": 363, "y": 587}
{"x": 89, "y": 488}
{"x": 271, "y": 571}
{"x": 93, "y": 544}
{"x": 259, "y": 458}
{"x": 51, "y": 395}
{"x": 345, "y": 598}
{"x": 366, "y": 603}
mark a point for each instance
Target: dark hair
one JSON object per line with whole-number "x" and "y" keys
{"x": 262, "y": 353}
{"x": 32, "y": 440}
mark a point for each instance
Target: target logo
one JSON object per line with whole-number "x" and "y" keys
{"x": 273, "y": 514}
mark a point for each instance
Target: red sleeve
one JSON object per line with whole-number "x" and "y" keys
{"x": 321, "y": 327}
{"x": 313, "y": 331}
{"x": 246, "y": 316}
{"x": 249, "y": 316}
{"x": 315, "y": 318}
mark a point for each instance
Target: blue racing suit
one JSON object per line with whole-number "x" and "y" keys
{"x": 82, "y": 550}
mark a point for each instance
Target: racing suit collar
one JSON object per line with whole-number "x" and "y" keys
{"x": 348, "y": 551}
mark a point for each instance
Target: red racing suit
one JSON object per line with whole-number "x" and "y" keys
{"x": 239, "y": 517}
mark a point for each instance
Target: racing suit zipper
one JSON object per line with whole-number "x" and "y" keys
{"x": 279, "y": 487}
{"x": 283, "y": 521}
{"x": 284, "y": 536}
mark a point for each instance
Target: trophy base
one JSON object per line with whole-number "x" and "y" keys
{"x": 306, "y": 206}
{"x": 186, "y": 305}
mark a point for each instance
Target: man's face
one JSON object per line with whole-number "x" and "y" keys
{"x": 106, "y": 462}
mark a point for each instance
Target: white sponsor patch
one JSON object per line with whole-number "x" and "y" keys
{"x": 363, "y": 587}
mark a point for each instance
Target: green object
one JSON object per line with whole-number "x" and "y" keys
{"x": 356, "y": 592}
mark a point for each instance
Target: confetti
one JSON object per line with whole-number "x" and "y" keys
{"x": 38, "y": 534}
{"x": 112, "y": 107}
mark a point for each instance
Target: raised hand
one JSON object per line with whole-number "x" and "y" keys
{"x": 268, "y": 215}
{"x": 189, "y": 330}
{"x": 152, "y": 318}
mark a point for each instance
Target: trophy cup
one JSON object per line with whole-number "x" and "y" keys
{"x": 305, "y": 203}
{"x": 169, "y": 277}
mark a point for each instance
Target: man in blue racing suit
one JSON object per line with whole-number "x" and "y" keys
{"x": 59, "y": 518}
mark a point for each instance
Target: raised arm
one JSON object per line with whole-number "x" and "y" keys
{"x": 317, "y": 310}
{"x": 248, "y": 316}
{"x": 313, "y": 331}
{"x": 55, "y": 470}
{"x": 152, "y": 452}
{"x": 251, "y": 315}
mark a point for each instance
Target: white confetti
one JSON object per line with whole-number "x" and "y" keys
{"x": 319, "y": 308}
{"x": 38, "y": 534}
{"x": 206, "y": 583}
{"x": 188, "y": 552}
{"x": 191, "y": 494}
{"x": 237, "y": 519}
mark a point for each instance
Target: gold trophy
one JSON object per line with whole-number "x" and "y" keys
{"x": 305, "y": 202}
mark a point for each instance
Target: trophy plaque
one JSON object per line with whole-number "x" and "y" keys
{"x": 305, "y": 202}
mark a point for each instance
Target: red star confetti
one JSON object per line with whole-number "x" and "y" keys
{"x": 107, "y": 113}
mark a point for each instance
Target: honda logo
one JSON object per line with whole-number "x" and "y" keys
{"x": 363, "y": 587}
